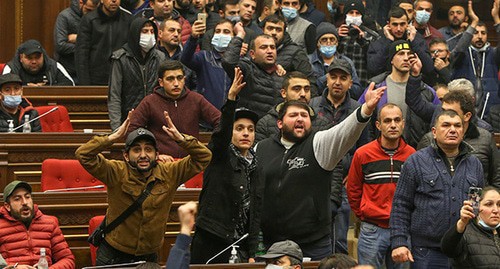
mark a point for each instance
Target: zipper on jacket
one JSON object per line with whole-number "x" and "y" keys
{"x": 175, "y": 103}
{"x": 282, "y": 172}
{"x": 392, "y": 168}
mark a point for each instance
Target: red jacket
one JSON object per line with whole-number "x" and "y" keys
{"x": 372, "y": 179}
{"x": 21, "y": 245}
{"x": 186, "y": 113}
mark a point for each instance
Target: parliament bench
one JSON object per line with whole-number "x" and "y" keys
{"x": 87, "y": 105}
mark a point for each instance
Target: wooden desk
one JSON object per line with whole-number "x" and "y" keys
{"x": 87, "y": 105}
{"x": 74, "y": 210}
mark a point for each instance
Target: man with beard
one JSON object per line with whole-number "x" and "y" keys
{"x": 185, "y": 9}
{"x": 458, "y": 23}
{"x": 140, "y": 235}
{"x": 477, "y": 61}
{"x": 262, "y": 90}
{"x": 36, "y": 68}
{"x": 24, "y": 230}
{"x": 200, "y": 6}
{"x": 296, "y": 166}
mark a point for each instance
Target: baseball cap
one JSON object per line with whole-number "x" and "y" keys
{"x": 31, "y": 46}
{"x": 137, "y": 134}
{"x": 9, "y": 78}
{"x": 340, "y": 64}
{"x": 245, "y": 113}
{"x": 282, "y": 248}
{"x": 11, "y": 187}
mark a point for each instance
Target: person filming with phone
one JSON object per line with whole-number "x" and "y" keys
{"x": 473, "y": 241}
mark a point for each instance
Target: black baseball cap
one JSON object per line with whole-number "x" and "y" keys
{"x": 31, "y": 46}
{"x": 10, "y": 78}
{"x": 245, "y": 113}
{"x": 137, "y": 134}
{"x": 340, "y": 64}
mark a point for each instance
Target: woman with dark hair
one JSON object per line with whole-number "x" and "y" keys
{"x": 474, "y": 241}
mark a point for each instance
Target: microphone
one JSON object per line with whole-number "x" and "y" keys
{"x": 485, "y": 103}
{"x": 228, "y": 247}
{"x": 34, "y": 119}
{"x": 77, "y": 188}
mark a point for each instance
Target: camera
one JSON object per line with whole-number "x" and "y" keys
{"x": 353, "y": 31}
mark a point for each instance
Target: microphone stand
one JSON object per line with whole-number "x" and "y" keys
{"x": 34, "y": 119}
{"x": 228, "y": 247}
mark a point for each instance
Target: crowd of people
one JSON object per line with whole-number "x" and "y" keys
{"x": 368, "y": 109}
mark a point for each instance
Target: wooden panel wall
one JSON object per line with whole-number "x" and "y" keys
{"x": 21, "y": 20}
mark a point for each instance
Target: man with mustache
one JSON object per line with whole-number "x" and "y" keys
{"x": 433, "y": 183}
{"x": 296, "y": 166}
{"x": 24, "y": 230}
{"x": 140, "y": 235}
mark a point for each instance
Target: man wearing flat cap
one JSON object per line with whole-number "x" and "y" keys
{"x": 24, "y": 230}
{"x": 283, "y": 253}
{"x": 14, "y": 106}
{"x": 140, "y": 235}
{"x": 400, "y": 58}
{"x": 36, "y": 68}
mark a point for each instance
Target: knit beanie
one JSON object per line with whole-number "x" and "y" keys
{"x": 396, "y": 46}
{"x": 326, "y": 28}
{"x": 354, "y": 5}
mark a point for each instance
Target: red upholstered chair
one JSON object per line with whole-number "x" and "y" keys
{"x": 63, "y": 174}
{"x": 94, "y": 222}
{"x": 194, "y": 182}
{"x": 57, "y": 121}
{"x": 2, "y": 66}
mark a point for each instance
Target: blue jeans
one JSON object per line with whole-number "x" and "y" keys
{"x": 428, "y": 258}
{"x": 340, "y": 227}
{"x": 374, "y": 247}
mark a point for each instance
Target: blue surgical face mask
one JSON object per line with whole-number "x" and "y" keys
{"x": 234, "y": 19}
{"x": 328, "y": 51}
{"x": 486, "y": 226}
{"x": 330, "y": 8}
{"x": 11, "y": 101}
{"x": 289, "y": 13}
{"x": 220, "y": 42}
{"x": 422, "y": 17}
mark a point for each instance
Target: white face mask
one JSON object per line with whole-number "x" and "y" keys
{"x": 273, "y": 266}
{"x": 354, "y": 20}
{"x": 147, "y": 41}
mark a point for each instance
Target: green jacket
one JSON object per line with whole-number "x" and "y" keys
{"x": 142, "y": 232}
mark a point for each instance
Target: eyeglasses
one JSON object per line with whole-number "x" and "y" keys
{"x": 172, "y": 78}
{"x": 324, "y": 40}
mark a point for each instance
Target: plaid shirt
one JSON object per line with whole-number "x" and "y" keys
{"x": 356, "y": 50}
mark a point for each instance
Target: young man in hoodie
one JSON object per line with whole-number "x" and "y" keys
{"x": 185, "y": 108}
{"x": 133, "y": 70}
{"x": 36, "y": 68}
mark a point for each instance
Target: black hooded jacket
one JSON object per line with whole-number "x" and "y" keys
{"x": 67, "y": 23}
{"x": 52, "y": 72}
{"x": 98, "y": 36}
{"x": 133, "y": 76}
